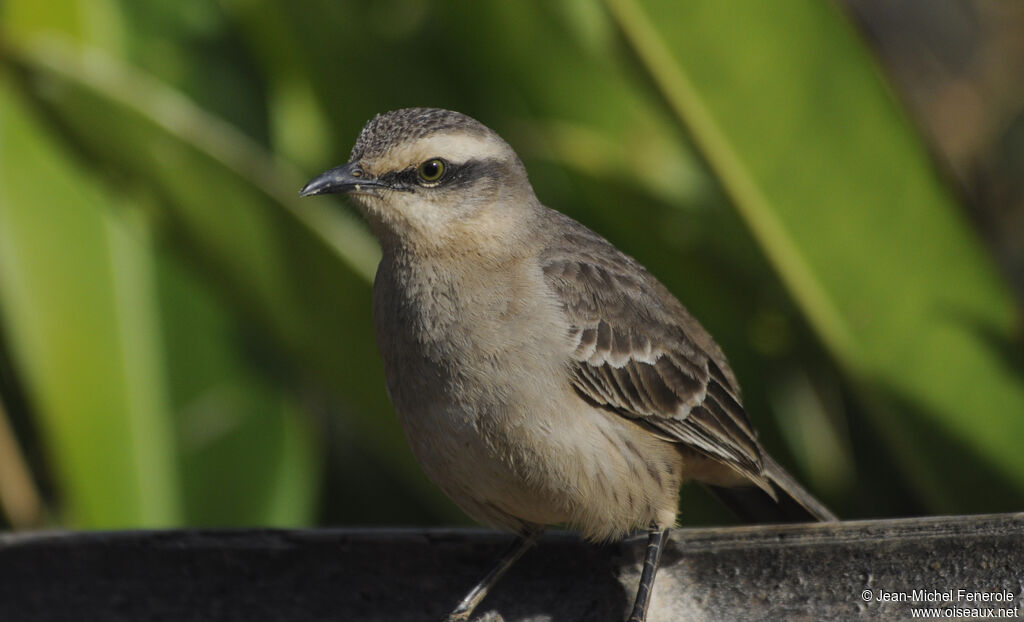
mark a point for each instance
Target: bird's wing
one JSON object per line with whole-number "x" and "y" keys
{"x": 639, "y": 353}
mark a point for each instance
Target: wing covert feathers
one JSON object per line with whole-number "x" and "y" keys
{"x": 638, "y": 352}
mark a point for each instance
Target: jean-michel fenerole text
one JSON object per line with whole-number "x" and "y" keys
{"x": 944, "y": 596}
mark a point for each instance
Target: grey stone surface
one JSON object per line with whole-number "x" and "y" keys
{"x": 797, "y": 572}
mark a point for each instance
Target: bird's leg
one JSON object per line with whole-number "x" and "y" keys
{"x": 480, "y": 590}
{"x": 655, "y": 543}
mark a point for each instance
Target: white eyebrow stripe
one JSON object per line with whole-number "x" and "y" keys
{"x": 457, "y": 147}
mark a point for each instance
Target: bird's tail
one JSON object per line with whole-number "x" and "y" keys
{"x": 793, "y": 504}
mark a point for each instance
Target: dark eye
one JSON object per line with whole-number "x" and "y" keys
{"x": 431, "y": 170}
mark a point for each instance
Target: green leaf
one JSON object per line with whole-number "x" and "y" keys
{"x": 248, "y": 455}
{"x": 78, "y": 297}
{"x": 789, "y": 111}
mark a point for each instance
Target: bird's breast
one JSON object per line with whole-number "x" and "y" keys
{"x": 467, "y": 330}
{"x": 469, "y": 359}
{"x": 477, "y": 369}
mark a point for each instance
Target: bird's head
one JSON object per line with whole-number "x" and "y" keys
{"x": 427, "y": 176}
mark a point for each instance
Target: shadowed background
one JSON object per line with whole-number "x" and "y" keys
{"x": 834, "y": 189}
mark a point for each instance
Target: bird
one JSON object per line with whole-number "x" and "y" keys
{"x": 541, "y": 376}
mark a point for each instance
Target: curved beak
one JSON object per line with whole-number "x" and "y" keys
{"x": 340, "y": 180}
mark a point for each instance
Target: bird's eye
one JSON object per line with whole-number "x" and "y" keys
{"x": 431, "y": 171}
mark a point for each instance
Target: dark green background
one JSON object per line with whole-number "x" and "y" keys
{"x": 183, "y": 341}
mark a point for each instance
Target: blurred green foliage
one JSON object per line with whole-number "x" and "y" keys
{"x": 185, "y": 342}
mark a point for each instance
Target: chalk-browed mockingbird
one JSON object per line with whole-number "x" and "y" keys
{"x": 541, "y": 376}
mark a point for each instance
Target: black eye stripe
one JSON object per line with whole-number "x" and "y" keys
{"x": 456, "y": 174}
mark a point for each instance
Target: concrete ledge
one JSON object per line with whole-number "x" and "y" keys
{"x": 796, "y": 572}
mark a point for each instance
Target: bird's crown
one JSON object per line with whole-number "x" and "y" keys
{"x": 389, "y": 129}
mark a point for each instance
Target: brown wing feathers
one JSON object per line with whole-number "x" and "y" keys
{"x": 660, "y": 377}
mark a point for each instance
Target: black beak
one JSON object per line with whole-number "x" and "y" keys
{"x": 340, "y": 180}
